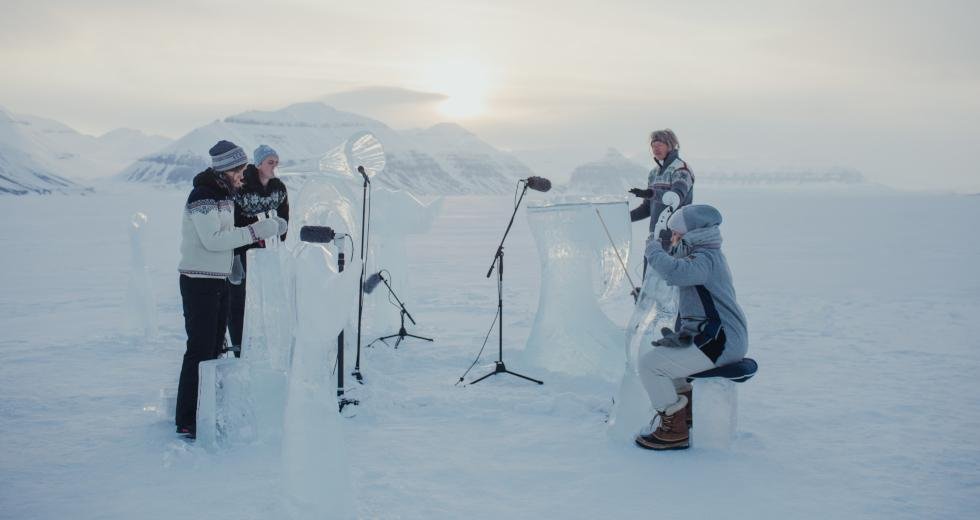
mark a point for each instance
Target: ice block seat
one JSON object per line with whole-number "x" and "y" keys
{"x": 715, "y": 407}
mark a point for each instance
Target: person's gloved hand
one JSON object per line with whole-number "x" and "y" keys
{"x": 283, "y": 224}
{"x": 266, "y": 228}
{"x": 645, "y": 194}
{"x": 665, "y": 236}
{"x": 672, "y": 339}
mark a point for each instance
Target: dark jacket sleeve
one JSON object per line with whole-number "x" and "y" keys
{"x": 640, "y": 212}
{"x": 283, "y": 209}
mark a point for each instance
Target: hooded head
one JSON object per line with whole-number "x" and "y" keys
{"x": 694, "y": 216}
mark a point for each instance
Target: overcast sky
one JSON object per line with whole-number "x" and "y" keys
{"x": 889, "y": 88}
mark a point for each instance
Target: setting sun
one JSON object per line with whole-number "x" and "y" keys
{"x": 466, "y": 85}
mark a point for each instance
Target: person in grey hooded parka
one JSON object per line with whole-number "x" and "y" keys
{"x": 710, "y": 330}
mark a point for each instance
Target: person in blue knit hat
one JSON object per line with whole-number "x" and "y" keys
{"x": 262, "y": 193}
{"x": 208, "y": 239}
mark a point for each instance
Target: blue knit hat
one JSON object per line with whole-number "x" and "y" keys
{"x": 261, "y": 153}
{"x": 226, "y": 156}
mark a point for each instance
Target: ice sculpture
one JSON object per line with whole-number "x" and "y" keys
{"x": 571, "y": 333}
{"x": 313, "y": 452}
{"x": 398, "y": 216}
{"x": 268, "y": 306}
{"x": 655, "y": 309}
{"x": 140, "y": 300}
{"x": 715, "y": 411}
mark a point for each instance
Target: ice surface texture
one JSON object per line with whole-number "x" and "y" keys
{"x": 571, "y": 333}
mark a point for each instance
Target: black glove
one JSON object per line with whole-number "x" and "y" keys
{"x": 646, "y": 194}
{"x": 665, "y": 236}
{"x": 672, "y": 339}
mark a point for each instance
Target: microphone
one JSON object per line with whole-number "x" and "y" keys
{"x": 317, "y": 234}
{"x": 537, "y": 183}
{"x": 360, "y": 169}
{"x": 372, "y": 282}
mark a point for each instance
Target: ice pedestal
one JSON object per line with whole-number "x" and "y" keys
{"x": 571, "y": 333}
{"x": 316, "y": 481}
{"x": 238, "y": 403}
{"x": 268, "y": 327}
{"x": 140, "y": 300}
{"x": 715, "y": 413}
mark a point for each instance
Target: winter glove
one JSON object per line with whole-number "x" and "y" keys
{"x": 283, "y": 225}
{"x": 665, "y": 236}
{"x": 673, "y": 339}
{"x": 237, "y": 271}
{"x": 265, "y": 228}
{"x": 645, "y": 194}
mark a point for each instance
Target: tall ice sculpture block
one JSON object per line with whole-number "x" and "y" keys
{"x": 571, "y": 333}
{"x": 140, "y": 300}
{"x": 315, "y": 474}
{"x": 268, "y": 308}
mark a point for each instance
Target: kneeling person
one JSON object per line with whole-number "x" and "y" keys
{"x": 711, "y": 328}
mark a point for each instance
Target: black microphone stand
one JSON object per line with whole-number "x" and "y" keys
{"x": 402, "y": 333}
{"x": 360, "y": 297}
{"x": 498, "y": 261}
{"x": 341, "y": 400}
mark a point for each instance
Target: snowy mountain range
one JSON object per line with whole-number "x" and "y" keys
{"x": 445, "y": 159}
{"x": 39, "y": 155}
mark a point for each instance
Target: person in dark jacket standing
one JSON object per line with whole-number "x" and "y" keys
{"x": 670, "y": 174}
{"x": 208, "y": 238}
{"x": 262, "y": 192}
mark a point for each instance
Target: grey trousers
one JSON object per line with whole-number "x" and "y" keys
{"x": 663, "y": 369}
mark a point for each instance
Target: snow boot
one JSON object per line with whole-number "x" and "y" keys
{"x": 672, "y": 434}
{"x": 187, "y": 431}
{"x": 689, "y": 410}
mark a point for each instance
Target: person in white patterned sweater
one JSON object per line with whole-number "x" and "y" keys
{"x": 261, "y": 193}
{"x": 208, "y": 238}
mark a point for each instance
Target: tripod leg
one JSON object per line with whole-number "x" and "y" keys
{"x": 524, "y": 377}
{"x": 418, "y": 337}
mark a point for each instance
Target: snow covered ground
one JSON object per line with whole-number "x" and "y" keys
{"x": 862, "y": 312}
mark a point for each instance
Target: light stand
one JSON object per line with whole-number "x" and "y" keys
{"x": 360, "y": 296}
{"x": 498, "y": 261}
{"x": 402, "y": 333}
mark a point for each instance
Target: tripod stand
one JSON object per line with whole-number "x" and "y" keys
{"x": 498, "y": 261}
{"x": 402, "y": 333}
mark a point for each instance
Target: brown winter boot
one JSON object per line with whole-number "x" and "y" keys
{"x": 672, "y": 434}
{"x": 689, "y": 394}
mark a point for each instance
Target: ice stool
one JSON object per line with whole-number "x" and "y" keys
{"x": 716, "y": 403}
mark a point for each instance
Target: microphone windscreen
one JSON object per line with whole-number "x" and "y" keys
{"x": 316, "y": 234}
{"x": 538, "y": 184}
{"x": 372, "y": 282}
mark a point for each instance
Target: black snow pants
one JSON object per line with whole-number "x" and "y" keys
{"x": 236, "y": 320}
{"x": 205, "y": 319}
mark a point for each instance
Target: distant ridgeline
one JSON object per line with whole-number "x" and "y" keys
{"x": 614, "y": 174}
{"x": 781, "y": 178}
{"x": 445, "y": 159}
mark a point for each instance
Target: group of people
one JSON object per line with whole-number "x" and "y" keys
{"x": 710, "y": 329}
{"x": 223, "y": 218}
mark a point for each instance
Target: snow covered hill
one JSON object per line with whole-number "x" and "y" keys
{"x": 41, "y": 155}
{"x": 614, "y": 174}
{"x": 443, "y": 159}
{"x": 27, "y": 165}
